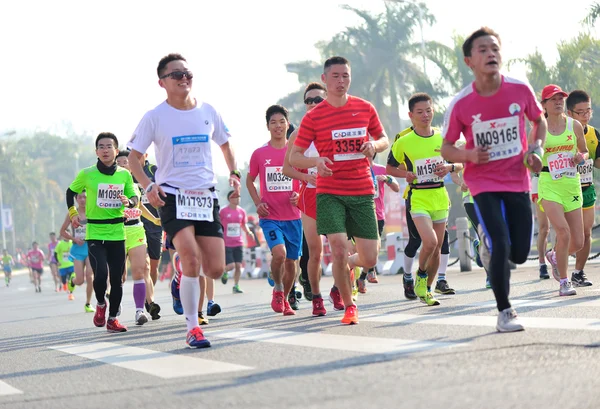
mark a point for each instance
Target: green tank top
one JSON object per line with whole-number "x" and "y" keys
{"x": 103, "y": 201}
{"x": 63, "y": 253}
{"x": 586, "y": 170}
{"x": 559, "y": 151}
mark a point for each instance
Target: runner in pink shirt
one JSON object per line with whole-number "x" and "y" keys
{"x": 233, "y": 219}
{"x": 35, "y": 257}
{"x": 491, "y": 114}
{"x": 276, "y": 207}
{"x": 381, "y": 180}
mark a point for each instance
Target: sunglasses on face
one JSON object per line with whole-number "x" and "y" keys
{"x": 315, "y": 100}
{"x": 178, "y": 75}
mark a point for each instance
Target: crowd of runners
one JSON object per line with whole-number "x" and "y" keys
{"x": 321, "y": 180}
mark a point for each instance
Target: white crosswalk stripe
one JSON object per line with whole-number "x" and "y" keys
{"x": 6, "y": 389}
{"x": 148, "y": 361}
{"x": 368, "y": 345}
{"x": 557, "y": 302}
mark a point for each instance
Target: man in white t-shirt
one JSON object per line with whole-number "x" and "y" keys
{"x": 182, "y": 129}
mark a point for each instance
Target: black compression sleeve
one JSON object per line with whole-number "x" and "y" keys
{"x": 70, "y": 198}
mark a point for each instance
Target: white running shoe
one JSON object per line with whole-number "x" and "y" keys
{"x": 508, "y": 321}
{"x": 551, "y": 258}
{"x": 566, "y": 288}
{"x": 140, "y": 318}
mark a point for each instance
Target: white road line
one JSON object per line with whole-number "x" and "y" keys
{"x": 352, "y": 343}
{"x": 6, "y": 389}
{"x": 587, "y": 324}
{"x": 160, "y": 364}
{"x": 562, "y": 301}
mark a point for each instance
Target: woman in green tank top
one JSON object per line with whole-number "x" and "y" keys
{"x": 559, "y": 189}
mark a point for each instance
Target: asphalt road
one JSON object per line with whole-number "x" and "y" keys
{"x": 401, "y": 355}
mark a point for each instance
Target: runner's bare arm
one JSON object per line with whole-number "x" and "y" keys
{"x": 392, "y": 183}
{"x": 288, "y": 169}
{"x": 149, "y": 216}
{"x": 581, "y": 143}
{"x": 64, "y": 231}
{"x": 298, "y": 160}
{"x": 136, "y": 168}
{"x": 381, "y": 142}
{"x": 540, "y": 127}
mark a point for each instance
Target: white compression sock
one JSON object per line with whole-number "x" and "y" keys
{"x": 443, "y": 266}
{"x": 408, "y": 265}
{"x": 189, "y": 294}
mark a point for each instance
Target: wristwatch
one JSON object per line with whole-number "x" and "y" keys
{"x": 150, "y": 186}
{"x": 236, "y": 173}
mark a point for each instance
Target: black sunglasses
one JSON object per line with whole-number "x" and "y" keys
{"x": 178, "y": 75}
{"x": 315, "y": 100}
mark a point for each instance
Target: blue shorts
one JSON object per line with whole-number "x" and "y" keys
{"x": 66, "y": 271}
{"x": 7, "y": 269}
{"x": 288, "y": 233}
{"x": 79, "y": 252}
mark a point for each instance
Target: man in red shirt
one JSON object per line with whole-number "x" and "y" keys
{"x": 341, "y": 127}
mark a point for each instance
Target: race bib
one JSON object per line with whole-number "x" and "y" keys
{"x": 108, "y": 196}
{"x": 143, "y": 192}
{"x": 347, "y": 143}
{"x": 500, "y": 136}
{"x": 35, "y": 259}
{"x": 66, "y": 257}
{"x": 79, "y": 232}
{"x": 425, "y": 168}
{"x": 376, "y": 195}
{"x": 234, "y": 230}
{"x": 195, "y": 205}
{"x": 586, "y": 171}
{"x": 276, "y": 181}
{"x": 561, "y": 165}
{"x": 189, "y": 150}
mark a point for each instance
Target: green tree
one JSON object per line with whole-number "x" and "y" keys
{"x": 593, "y": 14}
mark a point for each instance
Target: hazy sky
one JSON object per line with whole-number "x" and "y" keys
{"x": 94, "y": 65}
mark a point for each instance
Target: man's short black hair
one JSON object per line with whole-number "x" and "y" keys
{"x": 337, "y": 60}
{"x": 418, "y": 97}
{"x": 314, "y": 85}
{"x": 277, "y": 109}
{"x": 162, "y": 64}
{"x": 107, "y": 135}
{"x": 482, "y": 32}
{"x": 576, "y": 97}
{"x": 122, "y": 154}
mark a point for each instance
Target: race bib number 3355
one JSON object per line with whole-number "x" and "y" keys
{"x": 195, "y": 205}
{"x": 347, "y": 143}
{"x": 500, "y": 136}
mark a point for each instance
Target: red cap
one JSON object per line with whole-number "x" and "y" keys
{"x": 551, "y": 90}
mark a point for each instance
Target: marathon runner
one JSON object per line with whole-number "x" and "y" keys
{"x": 7, "y": 265}
{"x": 579, "y": 107}
{"x": 559, "y": 188}
{"x": 490, "y": 113}
{"x": 52, "y": 262}
{"x": 341, "y": 127}
{"x": 276, "y": 205}
{"x": 233, "y": 218}
{"x": 35, "y": 259}
{"x": 182, "y": 128}
{"x": 109, "y": 189}
{"x": 428, "y": 198}
{"x": 79, "y": 253}
{"x": 62, "y": 252}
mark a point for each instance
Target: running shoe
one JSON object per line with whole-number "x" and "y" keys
{"x": 372, "y": 277}
{"x": 70, "y": 284}
{"x": 362, "y": 286}
{"x": 270, "y": 280}
{"x": 195, "y": 339}
{"x": 225, "y": 277}
{"x": 277, "y": 301}
{"x": 351, "y": 315}
{"x": 508, "y": 321}
{"x": 177, "y": 306}
{"x": 306, "y": 289}
{"x": 442, "y": 287}
{"x": 100, "y": 315}
{"x": 409, "y": 288}
{"x": 487, "y": 282}
{"x": 237, "y": 289}
{"x": 89, "y": 308}
{"x": 64, "y": 287}
{"x": 336, "y": 299}
{"x": 114, "y": 326}
{"x": 544, "y": 272}
{"x": 551, "y": 258}
{"x": 287, "y": 309}
{"x": 318, "y": 307}
{"x": 484, "y": 250}
{"x": 212, "y": 309}
{"x": 154, "y": 310}
{"x": 580, "y": 279}
{"x": 429, "y": 299}
{"x": 202, "y": 320}
{"x": 566, "y": 288}
{"x": 140, "y": 318}
{"x": 354, "y": 290}
{"x": 293, "y": 301}
{"x": 477, "y": 257}
{"x": 71, "y": 297}
{"x": 421, "y": 287}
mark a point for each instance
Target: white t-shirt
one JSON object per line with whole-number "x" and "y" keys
{"x": 182, "y": 144}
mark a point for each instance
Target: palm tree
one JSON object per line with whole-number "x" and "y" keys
{"x": 593, "y": 15}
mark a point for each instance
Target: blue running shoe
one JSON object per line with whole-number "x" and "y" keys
{"x": 177, "y": 307}
{"x": 270, "y": 280}
{"x": 175, "y": 288}
{"x": 212, "y": 309}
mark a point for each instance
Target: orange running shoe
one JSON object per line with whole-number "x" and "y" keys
{"x": 351, "y": 315}
{"x": 71, "y": 297}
